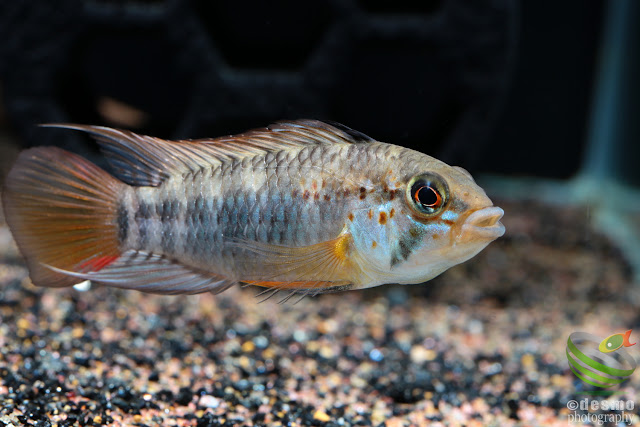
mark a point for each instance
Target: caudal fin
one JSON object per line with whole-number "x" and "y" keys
{"x": 62, "y": 211}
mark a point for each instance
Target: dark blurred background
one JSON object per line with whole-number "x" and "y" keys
{"x": 496, "y": 86}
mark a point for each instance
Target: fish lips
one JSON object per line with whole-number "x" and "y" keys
{"x": 483, "y": 224}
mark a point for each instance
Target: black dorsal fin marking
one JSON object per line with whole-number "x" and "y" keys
{"x": 355, "y": 135}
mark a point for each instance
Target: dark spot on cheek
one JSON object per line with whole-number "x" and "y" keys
{"x": 370, "y": 214}
{"x": 392, "y": 212}
{"x": 363, "y": 190}
{"x": 405, "y": 248}
{"x": 327, "y": 197}
{"x": 306, "y": 195}
{"x": 392, "y": 194}
{"x": 382, "y": 219}
{"x": 406, "y": 245}
{"x": 363, "y": 196}
{"x": 374, "y": 244}
{"x": 316, "y": 196}
{"x": 350, "y": 216}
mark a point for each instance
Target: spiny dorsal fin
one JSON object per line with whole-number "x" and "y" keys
{"x": 147, "y": 161}
{"x": 142, "y": 160}
{"x": 298, "y": 132}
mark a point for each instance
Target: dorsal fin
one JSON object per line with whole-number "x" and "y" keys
{"x": 142, "y": 160}
{"x": 299, "y": 132}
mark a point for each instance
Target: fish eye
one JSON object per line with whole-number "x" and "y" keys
{"x": 427, "y": 193}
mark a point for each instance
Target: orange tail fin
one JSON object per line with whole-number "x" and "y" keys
{"x": 62, "y": 211}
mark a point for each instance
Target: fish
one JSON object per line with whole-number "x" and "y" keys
{"x": 305, "y": 206}
{"x": 615, "y": 341}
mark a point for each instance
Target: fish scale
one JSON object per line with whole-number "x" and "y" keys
{"x": 306, "y": 206}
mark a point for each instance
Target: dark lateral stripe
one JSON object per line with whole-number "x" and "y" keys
{"x": 142, "y": 216}
{"x": 168, "y": 210}
{"x": 123, "y": 223}
{"x": 144, "y": 211}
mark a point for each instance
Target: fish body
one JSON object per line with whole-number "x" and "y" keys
{"x": 305, "y": 206}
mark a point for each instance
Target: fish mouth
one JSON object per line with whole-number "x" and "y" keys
{"x": 484, "y": 224}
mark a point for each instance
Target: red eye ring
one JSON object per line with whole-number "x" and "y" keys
{"x": 427, "y": 196}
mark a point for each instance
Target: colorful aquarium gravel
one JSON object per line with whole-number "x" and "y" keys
{"x": 484, "y": 344}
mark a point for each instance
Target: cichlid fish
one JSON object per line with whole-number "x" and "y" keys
{"x": 305, "y": 206}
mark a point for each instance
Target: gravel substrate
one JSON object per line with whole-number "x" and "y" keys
{"x": 484, "y": 344}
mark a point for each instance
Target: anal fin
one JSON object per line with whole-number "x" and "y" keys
{"x": 151, "y": 273}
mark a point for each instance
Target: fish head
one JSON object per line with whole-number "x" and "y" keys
{"x": 439, "y": 218}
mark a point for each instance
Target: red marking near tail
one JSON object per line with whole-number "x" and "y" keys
{"x": 97, "y": 264}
